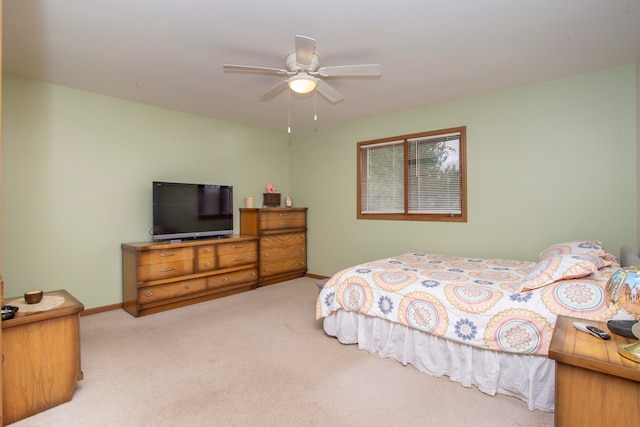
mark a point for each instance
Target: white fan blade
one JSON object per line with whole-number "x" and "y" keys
{"x": 274, "y": 91}
{"x": 305, "y": 48}
{"x": 332, "y": 95}
{"x": 351, "y": 70}
{"x": 232, "y": 67}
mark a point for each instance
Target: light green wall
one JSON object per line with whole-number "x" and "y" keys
{"x": 638, "y": 145}
{"x": 545, "y": 163}
{"x": 77, "y": 171}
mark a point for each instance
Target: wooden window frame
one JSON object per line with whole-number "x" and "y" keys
{"x": 406, "y": 216}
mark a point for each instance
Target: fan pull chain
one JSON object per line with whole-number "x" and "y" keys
{"x": 315, "y": 106}
{"x": 289, "y": 123}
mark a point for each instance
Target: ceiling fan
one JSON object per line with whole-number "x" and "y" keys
{"x": 304, "y": 74}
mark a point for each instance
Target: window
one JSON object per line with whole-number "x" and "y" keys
{"x": 418, "y": 177}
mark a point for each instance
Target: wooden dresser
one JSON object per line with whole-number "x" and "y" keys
{"x": 283, "y": 241}
{"x": 595, "y": 386}
{"x": 160, "y": 276}
{"x": 41, "y": 355}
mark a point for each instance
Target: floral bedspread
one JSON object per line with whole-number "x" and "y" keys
{"x": 473, "y": 301}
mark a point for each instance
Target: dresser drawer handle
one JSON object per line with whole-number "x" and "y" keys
{"x": 301, "y": 262}
{"x": 206, "y": 250}
{"x": 187, "y": 286}
{"x": 266, "y": 255}
{"x": 253, "y": 273}
{"x": 301, "y": 249}
{"x": 284, "y": 223}
{"x": 166, "y": 270}
{"x": 284, "y": 214}
{"x": 167, "y": 254}
{"x": 238, "y": 259}
{"x": 237, "y": 246}
{"x": 148, "y": 294}
{"x": 224, "y": 279}
{"x": 207, "y": 264}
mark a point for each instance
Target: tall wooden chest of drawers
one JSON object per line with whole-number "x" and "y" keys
{"x": 161, "y": 276}
{"x": 283, "y": 241}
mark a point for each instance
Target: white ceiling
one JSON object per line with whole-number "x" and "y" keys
{"x": 170, "y": 53}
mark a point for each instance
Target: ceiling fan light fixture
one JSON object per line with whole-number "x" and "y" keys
{"x": 302, "y": 83}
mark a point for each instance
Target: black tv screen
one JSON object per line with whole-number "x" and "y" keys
{"x": 191, "y": 211}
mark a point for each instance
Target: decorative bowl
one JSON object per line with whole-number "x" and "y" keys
{"x": 33, "y": 297}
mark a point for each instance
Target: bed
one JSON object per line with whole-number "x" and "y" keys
{"x": 482, "y": 322}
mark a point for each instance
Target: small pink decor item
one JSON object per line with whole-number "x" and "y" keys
{"x": 270, "y": 188}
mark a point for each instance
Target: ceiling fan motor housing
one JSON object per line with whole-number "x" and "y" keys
{"x": 292, "y": 64}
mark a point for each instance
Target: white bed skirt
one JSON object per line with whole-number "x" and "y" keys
{"x": 528, "y": 378}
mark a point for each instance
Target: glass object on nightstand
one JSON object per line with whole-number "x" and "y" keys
{"x": 623, "y": 288}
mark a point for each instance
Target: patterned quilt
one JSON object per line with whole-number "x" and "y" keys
{"x": 473, "y": 301}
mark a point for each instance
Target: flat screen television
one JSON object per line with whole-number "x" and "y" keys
{"x": 191, "y": 211}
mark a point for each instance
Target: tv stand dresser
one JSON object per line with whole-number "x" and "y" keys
{"x": 158, "y": 276}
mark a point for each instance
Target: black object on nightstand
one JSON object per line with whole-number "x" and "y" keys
{"x": 622, "y": 327}
{"x": 8, "y": 311}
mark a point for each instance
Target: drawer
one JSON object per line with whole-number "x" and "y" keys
{"x": 206, "y": 258}
{"x": 282, "y": 220}
{"x": 233, "y": 260}
{"x": 151, "y": 294}
{"x": 268, "y": 269}
{"x": 165, "y": 270}
{"x": 284, "y": 239}
{"x": 205, "y": 251}
{"x": 206, "y": 264}
{"x": 161, "y": 256}
{"x": 237, "y": 247}
{"x": 233, "y": 278}
{"x": 282, "y": 252}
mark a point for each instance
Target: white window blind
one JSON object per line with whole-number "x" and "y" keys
{"x": 416, "y": 177}
{"x": 434, "y": 175}
{"x": 383, "y": 177}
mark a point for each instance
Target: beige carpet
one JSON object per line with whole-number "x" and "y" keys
{"x": 257, "y": 358}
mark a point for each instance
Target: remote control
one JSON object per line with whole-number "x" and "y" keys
{"x": 596, "y": 332}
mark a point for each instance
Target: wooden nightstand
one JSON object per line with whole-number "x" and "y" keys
{"x": 41, "y": 355}
{"x": 595, "y": 386}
